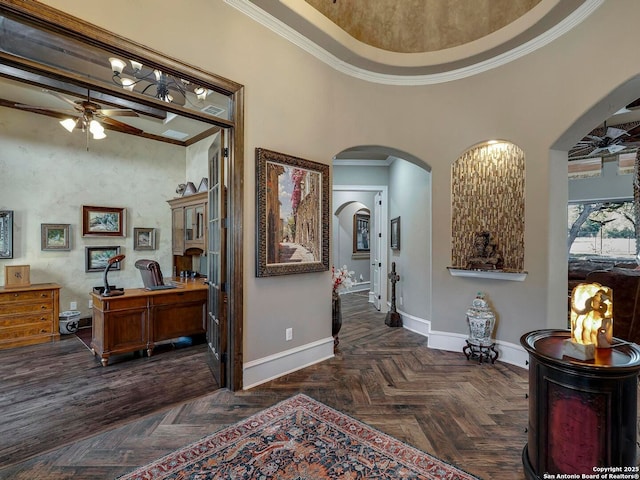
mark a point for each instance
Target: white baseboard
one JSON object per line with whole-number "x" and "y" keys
{"x": 268, "y": 368}
{"x": 454, "y": 342}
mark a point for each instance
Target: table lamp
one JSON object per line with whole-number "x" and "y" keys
{"x": 107, "y": 292}
{"x": 591, "y": 321}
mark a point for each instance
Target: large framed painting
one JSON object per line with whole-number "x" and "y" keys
{"x": 292, "y": 224}
{"x": 103, "y": 221}
{"x": 6, "y": 233}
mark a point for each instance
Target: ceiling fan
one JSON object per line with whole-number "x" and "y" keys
{"x": 87, "y": 116}
{"x": 605, "y": 141}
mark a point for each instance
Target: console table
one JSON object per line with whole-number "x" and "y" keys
{"x": 582, "y": 413}
{"x": 140, "y": 318}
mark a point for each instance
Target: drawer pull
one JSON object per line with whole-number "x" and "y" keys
{"x": 16, "y": 295}
{"x": 43, "y": 295}
{"x": 43, "y": 307}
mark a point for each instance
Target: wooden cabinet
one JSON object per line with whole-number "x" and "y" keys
{"x": 189, "y": 223}
{"x": 582, "y": 413}
{"x": 140, "y": 318}
{"x": 29, "y": 315}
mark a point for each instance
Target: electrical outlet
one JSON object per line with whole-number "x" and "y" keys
{"x": 73, "y": 305}
{"x": 288, "y": 334}
{"x": 401, "y": 301}
{"x": 90, "y": 304}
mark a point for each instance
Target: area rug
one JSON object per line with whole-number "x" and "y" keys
{"x": 299, "y": 438}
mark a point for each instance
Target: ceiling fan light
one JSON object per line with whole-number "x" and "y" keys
{"x": 117, "y": 65}
{"x": 99, "y": 135}
{"x": 68, "y": 123}
{"x": 95, "y": 128}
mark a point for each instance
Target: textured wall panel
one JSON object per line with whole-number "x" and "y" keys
{"x": 487, "y": 190}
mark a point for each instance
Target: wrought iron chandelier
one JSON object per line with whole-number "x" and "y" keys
{"x": 153, "y": 82}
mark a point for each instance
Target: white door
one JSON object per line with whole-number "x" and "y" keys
{"x": 376, "y": 262}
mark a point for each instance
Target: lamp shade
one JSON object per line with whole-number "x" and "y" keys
{"x": 117, "y": 65}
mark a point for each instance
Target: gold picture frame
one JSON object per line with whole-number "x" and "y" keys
{"x": 292, "y": 214}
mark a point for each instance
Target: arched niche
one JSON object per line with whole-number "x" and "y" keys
{"x": 487, "y": 195}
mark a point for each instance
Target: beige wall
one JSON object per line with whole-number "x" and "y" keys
{"x": 297, "y": 105}
{"x": 47, "y": 174}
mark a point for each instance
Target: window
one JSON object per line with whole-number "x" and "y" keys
{"x": 603, "y": 228}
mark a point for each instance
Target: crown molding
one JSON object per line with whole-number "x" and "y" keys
{"x": 279, "y": 27}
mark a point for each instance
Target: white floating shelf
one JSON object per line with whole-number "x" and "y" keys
{"x": 493, "y": 274}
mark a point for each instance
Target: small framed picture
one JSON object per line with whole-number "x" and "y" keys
{"x": 103, "y": 221}
{"x": 17, "y": 276}
{"x": 96, "y": 258}
{"x": 395, "y": 233}
{"x": 55, "y": 236}
{"x": 144, "y": 238}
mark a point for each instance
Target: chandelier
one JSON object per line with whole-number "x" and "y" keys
{"x": 152, "y": 82}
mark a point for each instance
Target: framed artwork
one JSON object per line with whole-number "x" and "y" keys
{"x": 55, "y": 236}
{"x": 6, "y": 233}
{"x": 361, "y": 232}
{"x": 103, "y": 221}
{"x": 292, "y": 214}
{"x": 395, "y": 233}
{"x": 17, "y": 276}
{"x": 96, "y": 258}
{"x": 144, "y": 238}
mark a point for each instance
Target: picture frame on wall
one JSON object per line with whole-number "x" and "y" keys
{"x": 292, "y": 214}
{"x": 103, "y": 221}
{"x": 96, "y": 258}
{"x": 144, "y": 238}
{"x": 6, "y": 233}
{"x": 361, "y": 232}
{"x": 55, "y": 236}
{"x": 395, "y": 233}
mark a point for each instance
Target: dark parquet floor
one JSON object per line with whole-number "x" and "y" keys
{"x": 63, "y": 416}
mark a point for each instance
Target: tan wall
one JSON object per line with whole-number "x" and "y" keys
{"x": 297, "y": 105}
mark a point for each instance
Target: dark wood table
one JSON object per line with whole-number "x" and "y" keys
{"x": 582, "y": 413}
{"x": 140, "y": 318}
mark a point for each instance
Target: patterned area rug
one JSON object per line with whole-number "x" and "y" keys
{"x": 299, "y": 438}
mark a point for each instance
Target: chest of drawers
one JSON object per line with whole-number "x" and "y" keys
{"x": 29, "y": 315}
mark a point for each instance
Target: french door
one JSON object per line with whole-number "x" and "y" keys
{"x": 217, "y": 319}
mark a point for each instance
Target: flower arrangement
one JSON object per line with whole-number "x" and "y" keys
{"x": 342, "y": 278}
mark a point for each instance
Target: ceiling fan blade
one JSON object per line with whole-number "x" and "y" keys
{"x": 65, "y": 99}
{"x": 117, "y": 112}
{"x": 121, "y": 125}
{"x": 581, "y": 152}
{"x": 615, "y": 133}
{"x": 22, "y": 106}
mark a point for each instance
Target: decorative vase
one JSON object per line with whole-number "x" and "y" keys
{"x": 481, "y": 321}
{"x": 336, "y": 318}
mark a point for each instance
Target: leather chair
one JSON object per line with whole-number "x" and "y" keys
{"x": 625, "y": 284}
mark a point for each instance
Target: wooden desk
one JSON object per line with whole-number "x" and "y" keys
{"x": 141, "y": 318}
